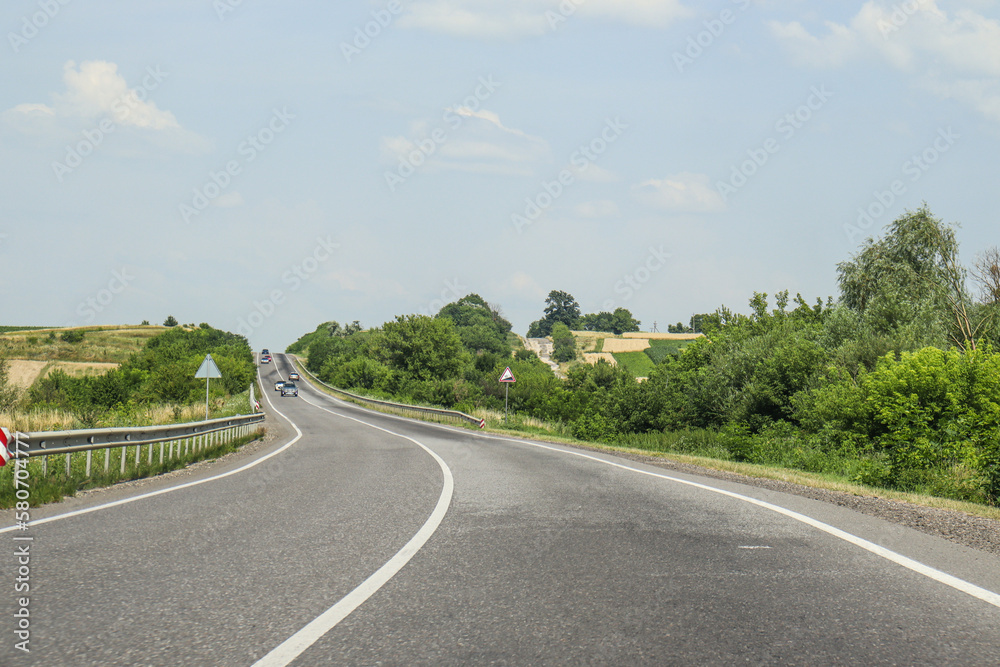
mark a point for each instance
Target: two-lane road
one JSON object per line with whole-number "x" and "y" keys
{"x": 351, "y": 546}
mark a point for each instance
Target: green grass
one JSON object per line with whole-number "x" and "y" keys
{"x": 53, "y": 484}
{"x": 637, "y": 363}
{"x": 599, "y": 345}
{"x": 7, "y": 329}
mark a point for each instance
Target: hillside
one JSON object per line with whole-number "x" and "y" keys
{"x": 637, "y": 351}
{"x": 106, "y": 345}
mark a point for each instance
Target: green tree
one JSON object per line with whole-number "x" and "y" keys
{"x": 422, "y": 347}
{"x": 171, "y": 321}
{"x": 480, "y": 326}
{"x": 904, "y": 281}
{"x": 559, "y": 307}
{"x": 564, "y": 344}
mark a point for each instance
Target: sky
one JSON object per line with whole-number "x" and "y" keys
{"x": 267, "y": 166}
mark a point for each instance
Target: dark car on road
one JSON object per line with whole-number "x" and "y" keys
{"x": 289, "y": 389}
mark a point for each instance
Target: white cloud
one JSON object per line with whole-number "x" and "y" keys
{"x": 591, "y": 173}
{"x": 602, "y": 208}
{"x": 684, "y": 191}
{"x": 228, "y": 200}
{"x": 97, "y": 89}
{"x": 955, "y": 56}
{"x": 511, "y": 19}
{"x": 94, "y": 92}
{"x": 481, "y": 144}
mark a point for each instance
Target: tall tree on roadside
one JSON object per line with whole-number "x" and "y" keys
{"x": 559, "y": 307}
{"x": 907, "y": 279}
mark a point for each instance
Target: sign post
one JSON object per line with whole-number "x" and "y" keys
{"x": 507, "y": 379}
{"x": 208, "y": 370}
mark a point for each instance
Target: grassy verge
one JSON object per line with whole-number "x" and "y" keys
{"x": 801, "y": 464}
{"x": 48, "y": 482}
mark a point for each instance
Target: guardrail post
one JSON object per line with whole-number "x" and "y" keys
{"x": 107, "y": 460}
{"x": 45, "y": 465}
{"x": 69, "y": 456}
{"x": 90, "y": 455}
{"x": 162, "y": 445}
{"x": 124, "y": 451}
{"x": 149, "y": 457}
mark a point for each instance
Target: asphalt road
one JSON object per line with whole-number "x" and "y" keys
{"x": 499, "y": 552}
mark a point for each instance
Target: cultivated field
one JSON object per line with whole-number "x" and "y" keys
{"x": 593, "y": 357}
{"x": 24, "y": 372}
{"x": 625, "y": 344}
{"x": 662, "y": 336}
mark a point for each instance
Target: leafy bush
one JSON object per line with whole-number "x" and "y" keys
{"x": 72, "y": 336}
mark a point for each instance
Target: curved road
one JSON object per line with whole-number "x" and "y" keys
{"x": 372, "y": 539}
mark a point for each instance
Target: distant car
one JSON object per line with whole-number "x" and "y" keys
{"x": 265, "y": 360}
{"x": 265, "y": 352}
{"x": 293, "y": 376}
{"x": 278, "y": 385}
{"x": 289, "y": 389}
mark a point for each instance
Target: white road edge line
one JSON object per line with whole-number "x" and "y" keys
{"x": 294, "y": 646}
{"x": 952, "y": 581}
{"x": 966, "y": 587}
{"x": 170, "y": 489}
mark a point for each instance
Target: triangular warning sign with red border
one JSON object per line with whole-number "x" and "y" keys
{"x": 507, "y": 376}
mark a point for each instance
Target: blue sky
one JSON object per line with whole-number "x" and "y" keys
{"x": 266, "y": 166}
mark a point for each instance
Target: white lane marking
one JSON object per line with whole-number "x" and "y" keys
{"x": 170, "y": 489}
{"x": 295, "y": 645}
{"x": 966, "y": 587}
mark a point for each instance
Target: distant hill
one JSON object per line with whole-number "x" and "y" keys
{"x": 105, "y": 344}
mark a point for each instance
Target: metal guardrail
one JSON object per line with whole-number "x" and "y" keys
{"x": 183, "y": 439}
{"x": 42, "y": 443}
{"x": 454, "y": 414}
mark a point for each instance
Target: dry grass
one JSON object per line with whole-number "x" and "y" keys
{"x": 24, "y": 372}
{"x": 663, "y": 336}
{"x": 625, "y": 344}
{"x": 593, "y": 357}
{"x": 587, "y": 340}
{"x": 100, "y": 344}
{"x": 59, "y": 420}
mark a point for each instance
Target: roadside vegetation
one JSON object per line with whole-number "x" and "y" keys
{"x": 149, "y": 378}
{"x": 895, "y": 383}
